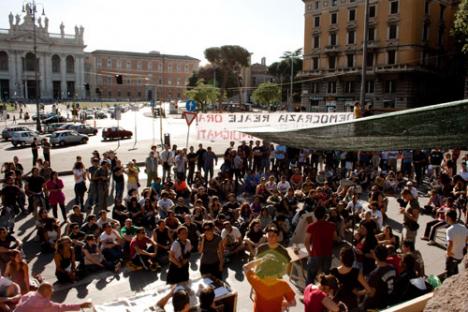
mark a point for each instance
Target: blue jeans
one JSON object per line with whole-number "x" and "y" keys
{"x": 316, "y": 265}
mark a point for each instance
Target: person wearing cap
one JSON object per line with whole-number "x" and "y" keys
{"x": 320, "y": 298}
{"x": 273, "y": 247}
{"x": 272, "y": 292}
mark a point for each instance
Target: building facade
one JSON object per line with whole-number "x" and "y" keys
{"x": 144, "y": 75}
{"x": 60, "y": 60}
{"x": 410, "y": 54}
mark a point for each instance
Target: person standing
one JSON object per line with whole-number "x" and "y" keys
{"x": 167, "y": 160}
{"x": 457, "y": 239}
{"x": 179, "y": 256}
{"x": 212, "y": 252}
{"x": 191, "y": 161}
{"x": 209, "y": 161}
{"x": 102, "y": 185}
{"x": 180, "y": 164}
{"x": 118, "y": 175}
{"x": 79, "y": 174}
{"x": 151, "y": 168}
{"x": 92, "y": 192}
{"x": 410, "y": 215}
{"x": 56, "y": 196}
{"x": 319, "y": 244}
{"x": 200, "y": 156}
{"x": 35, "y": 151}
{"x": 46, "y": 150}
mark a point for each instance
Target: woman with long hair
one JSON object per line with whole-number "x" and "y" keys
{"x": 64, "y": 258}
{"x": 17, "y": 271}
{"x": 56, "y": 196}
{"x": 79, "y": 174}
{"x": 179, "y": 256}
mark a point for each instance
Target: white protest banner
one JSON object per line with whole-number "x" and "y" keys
{"x": 226, "y": 126}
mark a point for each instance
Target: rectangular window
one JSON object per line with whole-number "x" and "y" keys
{"x": 392, "y": 32}
{"x": 440, "y": 39}
{"x": 351, "y": 37}
{"x": 109, "y": 93}
{"x": 334, "y": 3}
{"x": 186, "y": 69}
{"x": 98, "y": 63}
{"x": 372, "y": 11}
{"x": 317, "y": 5}
{"x": 331, "y": 87}
{"x": 426, "y": 6}
{"x": 118, "y": 64}
{"x": 317, "y": 21}
{"x": 129, "y": 65}
{"x": 315, "y": 63}
{"x": 150, "y": 66}
{"x": 389, "y": 103}
{"x": 390, "y": 86}
{"x": 391, "y": 57}
{"x": 425, "y": 32}
{"x": 129, "y": 94}
{"x": 331, "y": 62}
{"x": 315, "y": 87}
{"x": 394, "y": 7}
{"x": 370, "y": 84}
{"x": 442, "y": 10}
{"x": 333, "y": 39}
{"x": 139, "y": 66}
{"x": 109, "y": 63}
{"x": 316, "y": 42}
{"x": 349, "y": 87}
{"x": 350, "y": 60}
{"x": 169, "y": 68}
{"x": 352, "y": 15}
{"x": 334, "y": 18}
{"x": 370, "y": 59}
{"x": 371, "y": 34}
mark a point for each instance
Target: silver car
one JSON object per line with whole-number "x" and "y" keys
{"x": 7, "y": 132}
{"x": 24, "y": 138}
{"x": 66, "y": 137}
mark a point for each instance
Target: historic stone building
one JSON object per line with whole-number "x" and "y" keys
{"x": 60, "y": 60}
{"x": 411, "y": 58}
{"x": 144, "y": 75}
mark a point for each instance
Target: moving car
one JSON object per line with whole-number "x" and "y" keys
{"x": 23, "y": 138}
{"x": 7, "y": 132}
{"x": 113, "y": 133}
{"x": 66, "y": 137}
{"x": 54, "y": 119}
{"x": 80, "y": 128}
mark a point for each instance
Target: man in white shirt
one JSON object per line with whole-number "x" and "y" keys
{"x": 457, "y": 239}
{"x": 167, "y": 160}
{"x": 464, "y": 171}
{"x": 232, "y": 239}
{"x": 283, "y": 186}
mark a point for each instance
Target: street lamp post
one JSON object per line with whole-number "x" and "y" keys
{"x": 364, "y": 56}
{"x": 291, "y": 83}
{"x": 30, "y": 8}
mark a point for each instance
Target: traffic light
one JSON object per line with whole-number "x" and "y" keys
{"x": 119, "y": 79}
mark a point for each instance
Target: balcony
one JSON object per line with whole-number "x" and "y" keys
{"x": 332, "y": 48}
{"x": 351, "y": 25}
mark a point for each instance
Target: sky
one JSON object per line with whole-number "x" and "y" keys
{"x": 266, "y": 28}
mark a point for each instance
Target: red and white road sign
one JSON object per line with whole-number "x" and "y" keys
{"x": 189, "y": 117}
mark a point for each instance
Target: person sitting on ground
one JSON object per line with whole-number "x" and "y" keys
{"x": 439, "y": 222}
{"x": 64, "y": 258}
{"x": 8, "y": 244}
{"x": 93, "y": 259}
{"x": 75, "y": 217}
{"x": 253, "y": 237}
{"x": 103, "y": 218}
{"x": 407, "y": 247}
{"x": 140, "y": 253}
{"x": 91, "y": 227}
{"x": 17, "y": 271}
{"x": 232, "y": 240}
{"x": 320, "y": 298}
{"x": 272, "y": 293}
{"x": 163, "y": 242}
{"x": 10, "y": 293}
{"x": 111, "y": 245}
{"x": 387, "y": 237}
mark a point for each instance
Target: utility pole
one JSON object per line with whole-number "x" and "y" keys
{"x": 291, "y": 86}
{"x": 362, "y": 96}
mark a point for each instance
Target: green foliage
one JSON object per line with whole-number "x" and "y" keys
{"x": 282, "y": 70}
{"x": 267, "y": 94}
{"x": 229, "y": 59}
{"x": 203, "y": 94}
{"x": 460, "y": 27}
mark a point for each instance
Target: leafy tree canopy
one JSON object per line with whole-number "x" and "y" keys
{"x": 203, "y": 94}
{"x": 267, "y": 94}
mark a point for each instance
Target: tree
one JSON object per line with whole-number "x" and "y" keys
{"x": 203, "y": 94}
{"x": 230, "y": 59}
{"x": 282, "y": 71}
{"x": 267, "y": 94}
{"x": 460, "y": 26}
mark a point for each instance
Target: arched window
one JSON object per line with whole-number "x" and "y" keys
{"x": 56, "y": 63}
{"x": 29, "y": 62}
{"x": 70, "y": 64}
{"x": 3, "y": 61}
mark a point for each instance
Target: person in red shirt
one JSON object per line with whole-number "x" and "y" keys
{"x": 318, "y": 298}
{"x": 140, "y": 254}
{"x": 319, "y": 244}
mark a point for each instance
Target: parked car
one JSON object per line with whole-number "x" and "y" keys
{"x": 54, "y": 119}
{"x": 23, "y": 138}
{"x": 80, "y": 128}
{"x": 50, "y": 128}
{"x": 100, "y": 115}
{"x": 6, "y": 133}
{"x": 66, "y": 137}
{"x": 116, "y": 133}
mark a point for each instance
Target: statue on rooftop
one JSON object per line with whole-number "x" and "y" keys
{"x": 18, "y": 19}
{"x": 62, "y": 30}
{"x": 39, "y": 21}
{"x": 46, "y": 23}
{"x": 10, "y": 19}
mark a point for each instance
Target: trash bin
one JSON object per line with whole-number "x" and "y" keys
{"x": 167, "y": 139}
